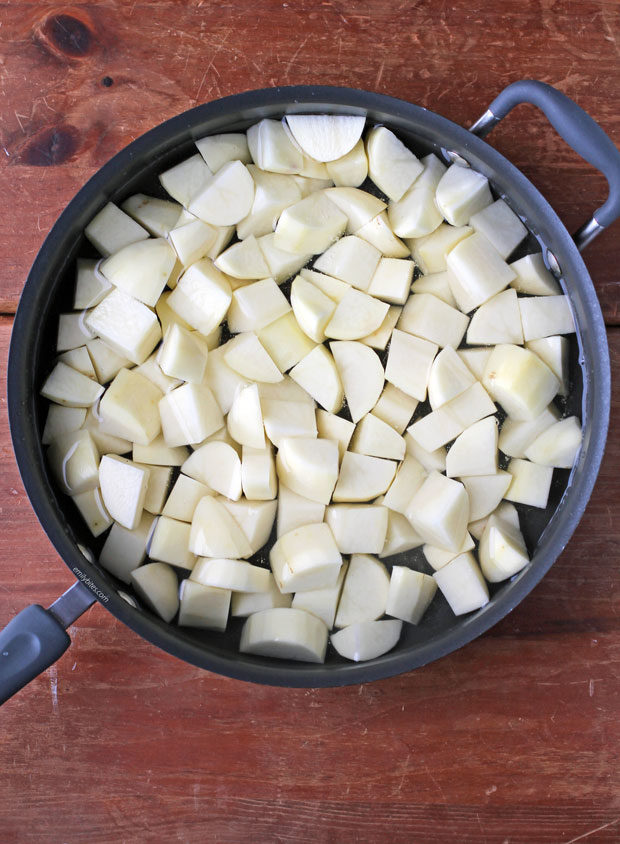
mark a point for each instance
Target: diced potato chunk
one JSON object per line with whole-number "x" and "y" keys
{"x": 395, "y": 407}
{"x": 126, "y": 324}
{"x": 189, "y": 414}
{"x": 477, "y": 272}
{"x": 236, "y": 575}
{"x": 184, "y": 497}
{"x": 129, "y": 408}
{"x": 295, "y": 510}
{"x": 497, "y": 321}
{"x": 365, "y": 591}
{"x": 363, "y": 478}
{"x": 431, "y": 251}
{"x": 170, "y": 543}
{"x": 375, "y": 437}
{"x": 248, "y": 603}
{"x": 285, "y": 633}
{"x": 256, "y": 305}
{"x": 543, "y": 316}
{"x": 358, "y": 528}
{"x": 141, "y": 269}
{"x": 448, "y": 421}
{"x": 350, "y": 259}
{"x": 74, "y": 462}
{"x": 226, "y": 197}
{"x": 410, "y": 594}
{"x": 558, "y": 446}
{"x": 111, "y": 229}
{"x": 318, "y": 375}
{"x": 502, "y": 550}
{"x": 361, "y": 374}
{"x": 409, "y": 363}
{"x": 416, "y": 213}
{"x": 320, "y": 602}
{"x": 519, "y": 381}
{"x": 391, "y": 165}
{"x": 285, "y": 342}
{"x": 439, "y": 511}
{"x": 533, "y": 277}
{"x": 305, "y": 558}
{"x": 215, "y": 533}
{"x": 474, "y": 452}
{"x": 530, "y": 483}
{"x": 66, "y": 386}
{"x": 309, "y": 467}
{"x": 310, "y": 225}
{"x": 156, "y": 584}
{"x": 462, "y": 584}
{"x": 124, "y": 550}
{"x": 123, "y": 489}
{"x": 391, "y": 281}
{"x": 202, "y": 296}
{"x": 428, "y": 317}
{"x": 500, "y": 225}
{"x": 367, "y": 640}
{"x": 461, "y": 193}
{"x": 203, "y": 606}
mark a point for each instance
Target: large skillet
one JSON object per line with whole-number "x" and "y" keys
{"x": 36, "y": 637}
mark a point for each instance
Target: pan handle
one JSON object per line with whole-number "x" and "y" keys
{"x": 36, "y": 638}
{"x": 579, "y": 131}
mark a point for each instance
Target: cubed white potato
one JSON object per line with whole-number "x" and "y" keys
{"x": 157, "y": 488}
{"x": 244, "y": 604}
{"x": 462, "y": 584}
{"x": 332, "y": 427}
{"x": 349, "y": 170}
{"x": 449, "y": 377}
{"x": 378, "y": 233}
{"x": 255, "y": 518}
{"x": 364, "y": 592}
{"x": 79, "y": 359}
{"x": 159, "y": 454}
{"x": 66, "y": 386}
{"x": 558, "y": 446}
{"x": 308, "y": 466}
{"x": 426, "y": 316}
{"x": 312, "y": 308}
{"x": 72, "y": 331}
{"x": 409, "y": 478}
{"x": 217, "y": 465}
{"x": 356, "y": 316}
{"x": 285, "y": 633}
{"x": 141, "y": 269}
{"x": 474, "y": 452}
{"x": 295, "y": 511}
{"x": 333, "y": 288}
{"x": 151, "y": 370}
{"x": 530, "y": 483}
{"x": 359, "y": 206}
{"x": 391, "y": 166}
{"x": 167, "y": 316}
{"x": 461, "y": 193}
{"x": 157, "y": 216}
{"x": 258, "y": 474}
{"x": 367, "y": 640}
{"x": 497, "y": 321}
{"x": 554, "y": 351}
{"x": 430, "y": 252}
{"x": 184, "y": 497}
{"x": 533, "y": 277}
{"x": 125, "y": 324}
{"x": 321, "y": 602}
{"x": 392, "y": 280}
{"x": 505, "y": 511}
{"x": 358, "y": 528}
{"x": 124, "y": 550}
{"x": 215, "y": 533}
{"x": 111, "y": 229}
{"x": 485, "y": 492}
{"x": 245, "y": 419}
{"x": 519, "y": 381}
{"x": 203, "y": 606}
{"x": 221, "y": 435}
{"x": 243, "y": 260}
{"x": 381, "y": 337}
{"x": 409, "y": 363}
{"x": 285, "y": 342}
{"x": 202, "y": 296}
{"x": 90, "y": 286}
{"x": 437, "y": 557}
{"x": 223, "y": 236}
{"x": 305, "y": 558}
{"x": 221, "y": 379}
{"x": 106, "y": 362}
{"x": 285, "y": 390}
{"x": 502, "y": 552}
{"x": 326, "y": 137}
{"x": 543, "y": 316}
{"x": 448, "y": 421}
{"x": 282, "y": 265}
{"x": 437, "y": 284}
{"x": 395, "y": 407}
{"x": 273, "y": 192}
{"x": 129, "y": 408}
{"x": 156, "y": 584}
{"x": 515, "y": 436}
{"x": 226, "y": 197}
{"x": 475, "y": 359}
{"x": 62, "y": 420}
{"x": 310, "y": 225}
{"x": 350, "y": 259}
{"x": 247, "y": 356}
{"x": 106, "y": 442}
{"x": 218, "y": 150}
{"x": 236, "y": 575}
{"x": 477, "y": 272}
{"x": 271, "y": 148}
{"x": 93, "y": 511}
{"x": 169, "y": 543}
{"x": 363, "y": 478}
{"x": 361, "y": 374}
{"x": 439, "y": 511}
{"x": 416, "y": 213}
{"x": 192, "y": 241}
{"x": 410, "y": 594}
{"x": 256, "y": 305}
{"x": 185, "y": 180}
{"x": 501, "y": 227}
{"x": 189, "y": 414}
{"x": 375, "y": 437}
{"x": 318, "y": 375}
{"x": 400, "y": 535}
{"x": 308, "y": 185}
{"x": 123, "y": 489}
{"x": 284, "y": 419}
{"x": 182, "y": 355}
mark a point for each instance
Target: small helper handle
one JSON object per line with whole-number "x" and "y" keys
{"x": 575, "y": 127}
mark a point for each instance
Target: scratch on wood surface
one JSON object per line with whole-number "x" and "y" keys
{"x": 54, "y": 688}
{"x": 592, "y": 831}
{"x": 380, "y": 74}
{"x": 291, "y": 61}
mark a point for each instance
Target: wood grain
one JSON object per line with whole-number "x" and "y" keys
{"x": 512, "y": 740}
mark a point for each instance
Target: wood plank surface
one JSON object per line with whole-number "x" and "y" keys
{"x": 515, "y": 738}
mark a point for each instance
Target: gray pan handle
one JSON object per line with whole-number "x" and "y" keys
{"x": 579, "y": 131}
{"x": 36, "y": 638}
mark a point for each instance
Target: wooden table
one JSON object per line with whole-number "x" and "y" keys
{"x": 512, "y": 739}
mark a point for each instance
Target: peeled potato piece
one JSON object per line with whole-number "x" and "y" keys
{"x": 215, "y": 533}
{"x": 236, "y": 575}
{"x": 74, "y": 462}
{"x": 68, "y": 387}
{"x": 245, "y": 418}
{"x": 367, "y": 640}
{"x": 558, "y": 446}
{"x": 400, "y": 535}
{"x": 320, "y": 602}
{"x": 409, "y": 363}
{"x": 533, "y": 277}
{"x": 295, "y": 510}
{"x": 426, "y": 316}
{"x": 351, "y": 169}
{"x": 272, "y": 149}
{"x": 258, "y": 474}
{"x": 410, "y": 594}
{"x": 247, "y": 356}
{"x": 437, "y": 557}
{"x": 202, "y": 296}
{"x": 308, "y": 466}
{"x": 141, "y": 269}
{"x": 123, "y": 489}
{"x": 217, "y": 150}
{"x": 375, "y": 437}
{"x": 378, "y": 233}
{"x": 305, "y": 558}
{"x": 363, "y": 478}
{"x": 519, "y": 381}
{"x": 416, "y": 213}
{"x": 189, "y": 414}
{"x": 391, "y": 281}
{"x": 256, "y": 305}
{"x": 217, "y": 465}
{"x": 485, "y": 492}
{"x": 497, "y": 321}
{"x": 462, "y": 192}
{"x": 93, "y": 511}
{"x": 554, "y": 352}
{"x": 500, "y": 225}
{"x": 543, "y": 316}
{"x": 395, "y": 407}
{"x": 326, "y": 137}
{"x": 356, "y": 316}
{"x": 502, "y": 550}
{"x": 226, "y": 197}
{"x": 439, "y": 511}
{"x": 156, "y": 584}
{"x": 462, "y": 584}
{"x": 391, "y": 165}
{"x": 318, "y": 375}
{"x": 477, "y": 272}
{"x": 285, "y": 633}
{"x": 530, "y": 483}
{"x": 361, "y": 374}
{"x": 358, "y": 528}
{"x": 203, "y": 606}
{"x": 449, "y": 377}
{"x": 124, "y": 550}
{"x": 170, "y": 543}
{"x": 310, "y": 225}
{"x": 474, "y": 452}
{"x": 350, "y": 259}
{"x": 187, "y": 179}
{"x": 255, "y": 519}
{"x": 285, "y": 342}
{"x": 359, "y": 206}
{"x": 450, "y": 419}
{"x": 111, "y": 230}
{"x": 244, "y": 604}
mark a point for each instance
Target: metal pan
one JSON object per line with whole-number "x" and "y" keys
{"x": 36, "y": 637}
